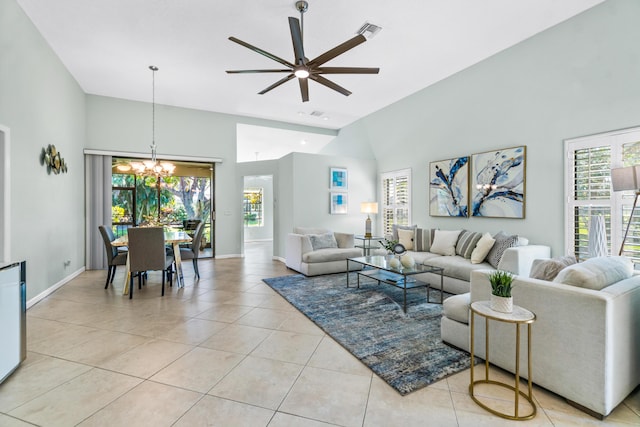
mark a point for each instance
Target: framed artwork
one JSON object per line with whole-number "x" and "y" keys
{"x": 449, "y": 187}
{"x": 339, "y": 203}
{"x": 338, "y": 179}
{"x": 498, "y": 181}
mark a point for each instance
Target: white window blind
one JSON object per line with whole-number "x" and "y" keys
{"x": 396, "y": 199}
{"x": 589, "y": 192}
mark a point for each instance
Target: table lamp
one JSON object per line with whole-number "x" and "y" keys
{"x": 624, "y": 179}
{"x": 368, "y": 208}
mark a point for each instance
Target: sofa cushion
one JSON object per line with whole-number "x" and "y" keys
{"x": 456, "y": 307}
{"x": 344, "y": 240}
{"x": 331, "y": 254}
{"x": 310, "y": 230}
{"x": 482, "y": 248}
{"x": 323, "y": 241}
{"x": 503, "y": 241}
{"x": 421, "y": 257}
{"x": 396, "y": 227}
{"x": 444, "y": 242}
{"x": 456, "y": 266}
{"x": 548, "y": 269}
{"x": 422, "y": 239}
{"x": 405, "y": 238}
{"x": 596, "y": 273}
{"x": 467, "y": 243}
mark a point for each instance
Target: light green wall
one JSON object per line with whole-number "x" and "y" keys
{"x": 578, "y": 78}
{"x": 41, "y": 104}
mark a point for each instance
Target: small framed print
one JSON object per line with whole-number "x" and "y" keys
{"x": 339, "y": 203}
{"x": 338, "y": 179}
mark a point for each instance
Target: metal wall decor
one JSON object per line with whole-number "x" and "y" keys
{"x": 51, "y": 158}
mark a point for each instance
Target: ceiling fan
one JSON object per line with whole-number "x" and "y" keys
{"x": 302, "y": 67}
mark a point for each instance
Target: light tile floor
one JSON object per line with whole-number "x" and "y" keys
{"x": 226, "y": 350}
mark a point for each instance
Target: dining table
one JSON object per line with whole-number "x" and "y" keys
{"x": 172, "y": 237}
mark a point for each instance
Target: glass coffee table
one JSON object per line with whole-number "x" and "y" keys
{"x": 380, "y": 270}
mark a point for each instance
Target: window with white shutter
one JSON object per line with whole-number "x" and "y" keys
{"x": 395, "y": 199}
{"x": 589, "y": 192}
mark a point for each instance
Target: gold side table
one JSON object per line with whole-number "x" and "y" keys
{"x": 519, "y": 316}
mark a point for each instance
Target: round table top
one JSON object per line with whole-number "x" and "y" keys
{"x": 518, "y": 315}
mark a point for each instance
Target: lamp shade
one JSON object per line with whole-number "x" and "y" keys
{"x": 628, "y": 178}
{"x": 369, "y": 207}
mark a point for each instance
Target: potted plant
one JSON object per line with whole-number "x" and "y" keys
{"x": 389, "y": 245}
{"x": 501, "y": 285}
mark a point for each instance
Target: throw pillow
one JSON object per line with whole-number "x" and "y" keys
{"x": 406, "y": 238}
{"x": 503, "y": 242}
{"x": 596, "y": 273}
{"x": 467, "y": 242}
{"x": 482, "y": 248}
{"x": 444, "y": 242}
{"x": 323, "y": 241}
{"x": 548, "y": 269}
{"x": 396, "y": 227}
{"x": 422, "y": 239}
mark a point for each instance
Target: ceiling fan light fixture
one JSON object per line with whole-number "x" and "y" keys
{"x": 301, "y": 72}
{"x": 369, "y": 30}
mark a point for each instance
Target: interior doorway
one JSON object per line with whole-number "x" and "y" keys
{"x": 258, "y": 212}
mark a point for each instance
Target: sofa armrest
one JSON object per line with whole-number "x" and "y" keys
{"x": 585, "y": 342}
{"x": 518, "y": 259}
{"x": 345, "y": 240}
{"x": 297, "y": 245}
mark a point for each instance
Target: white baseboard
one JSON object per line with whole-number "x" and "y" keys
{"x": 278, "y": 258}
{"x": 229, "y": 256}
{"x": 42, "y": 295}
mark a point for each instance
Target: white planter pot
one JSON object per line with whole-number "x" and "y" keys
{"x": 501, "y": 304}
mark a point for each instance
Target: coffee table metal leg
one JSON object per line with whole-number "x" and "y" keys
{"x": 347, "y": 273}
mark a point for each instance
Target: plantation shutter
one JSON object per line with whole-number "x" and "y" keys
{"x": 396, "y": 199}
{"x": 589, "y": 192}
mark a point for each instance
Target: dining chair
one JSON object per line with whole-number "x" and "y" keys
{"x": 115, "y": 256}
{"x": 147, "y": 253}
{"x": 193, "y": 251}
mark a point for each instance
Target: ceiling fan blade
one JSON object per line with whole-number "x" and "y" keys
{"x": 328, "y": 83}
{"x": 288, "y": 70}
{"x": 338, "y": 50}
{"x": 296, "y": 39}
{"x": 304, "y": 89}
{"x": 262, "y": 52}
{"x": 276, "y": 84}
{"x": 346, "y": 70}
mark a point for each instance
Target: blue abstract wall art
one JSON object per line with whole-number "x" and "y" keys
{"x": 498, "y": 183}
{"x": 449, "y": 187}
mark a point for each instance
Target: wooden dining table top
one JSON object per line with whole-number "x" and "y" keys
{"x": 169, "y": 237}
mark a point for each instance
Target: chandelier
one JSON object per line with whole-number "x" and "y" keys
{"x": 151, "y": 167}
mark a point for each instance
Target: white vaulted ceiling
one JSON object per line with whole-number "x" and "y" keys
{"x": 107, "y": 46}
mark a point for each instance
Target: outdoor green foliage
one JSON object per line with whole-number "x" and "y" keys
{"x": 253, "y": 207}
{"x": 175, "y": 199}
{"x": 501, "y": 283}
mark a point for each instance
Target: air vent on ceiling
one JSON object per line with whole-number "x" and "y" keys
{"x": 369, "y": 30}
{"x": 316, "y": 113}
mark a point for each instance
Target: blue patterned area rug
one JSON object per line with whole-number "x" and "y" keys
{"x": 405, "y": 350}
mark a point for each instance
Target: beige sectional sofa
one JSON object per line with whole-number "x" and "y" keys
{"x": 585, "y": 341}
{"x": 516, "y": 258}
{"x": 311, "y": 251}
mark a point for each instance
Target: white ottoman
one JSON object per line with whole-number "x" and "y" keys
{"x": 454, "y": 327}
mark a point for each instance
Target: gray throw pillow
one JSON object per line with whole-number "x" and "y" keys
{"x": 323, "y": 241}
{"x": 548, "y": 269}
{"x": 503, "y": 242}
{"x": 467, "y": 242}
{"x": 422, "y": 239}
